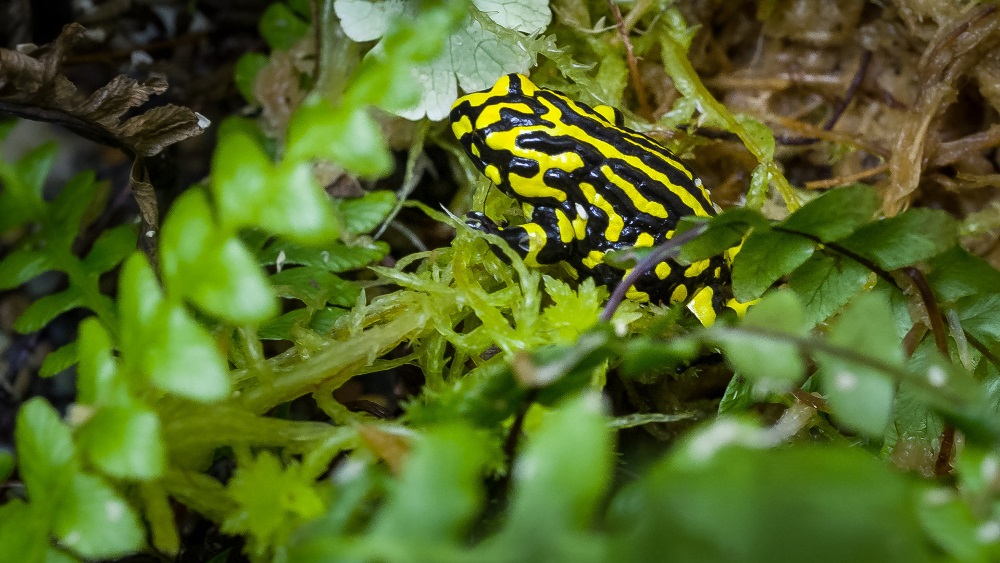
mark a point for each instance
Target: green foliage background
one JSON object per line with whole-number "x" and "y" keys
{"x": 173, "y": 373}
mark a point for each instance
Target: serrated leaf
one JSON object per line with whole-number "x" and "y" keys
{"x": 835, "y": 214}
{"x": 725, "y": 231}
{"x": 956, "y": 273}
{"x": 124, "y": 442}
{"x": 280, "y": 27}
{"x": 480, "y": 55}
{"x": 861, "y": 396}
{"x": 45, "y": 451}
{"x": 472, "y": 56}
{"x": 764, "y": 258}
{"x": 228, "y": 283}
{"x": 907, "y": 238}
{"x": 110, "y": 248}
{"x": 526, "y": 16}
{"x": 825, "y": 283}
{"x": 980, "y": 315}
{"x": 42, "y": 311}
{"x": 361, "y": 215}
{"x": 23, "y": 265}
{"x": 95, "y": 522}
{"x": 367, "y": 21}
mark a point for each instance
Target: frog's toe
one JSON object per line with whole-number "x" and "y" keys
{"x": 480, "y": 222}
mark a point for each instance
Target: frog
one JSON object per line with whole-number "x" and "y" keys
{"x": 588, "y": 185}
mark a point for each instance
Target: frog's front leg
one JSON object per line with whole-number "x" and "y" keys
{"x": 546, "y": 239}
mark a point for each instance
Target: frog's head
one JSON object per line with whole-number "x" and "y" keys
{"x": 473, "y": 114}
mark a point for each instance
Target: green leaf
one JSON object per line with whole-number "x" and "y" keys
{"x": 45, "y": 451}
{"x": 643, "y": 355}
{"x": 787, "y": 504}
{"x": 558, "y": 483}
{"x": 951, "y": 524}
{"x": 24, "y": 534}
{"x": 272, "y": 501}
{"x": 98, "y": 379}
{"x": 825, "y": 283}
{"x": 124, "y": 442}
{"x": 351, "y": 138}
{"x": 425, "y": 53}
{"x": 773, "y": 365}
{"x": 110, "y": 248}
{"x": 725, "y": 231}
{"x": 835, "y": 214}
{"x": 59, "y": 360}
{"x": 367, "y": 21}
{"x": 42, "y": 311}
{"x": 21, "y": 199}
{"x": 96, "y": 522}
{"x": 7, "y": 464}
{"x": 280, "y": 327}
{"x": 527, "y": 16}
{"x": 907, "y": 238}
{"x": 573, "y": 310}
{"x": 23, "y": 265}
{"x": 315, "y": 286}
{"x": 362, "y": 214}
{"x": 444, "y": 470}
{"x": 764, "y": 258}
{"x": 245, "y": 73}
{"x": 956, "y": 273}
{"x": 251, "y": 191}
{"x": 324, "y": 320}
{"x": 209, "y": 267}
{"x": 162, "y": 341}
{"x": 860, "y": 395}
{"x": 980, "y": 315}
{"x": 73, "y": 208}
{"x": 280, "y": 27}
{"x": 335, "y": 257}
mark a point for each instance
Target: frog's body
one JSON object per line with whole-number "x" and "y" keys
{"x": 589, "y": 185}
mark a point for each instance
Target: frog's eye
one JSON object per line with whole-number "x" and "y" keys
{"x": 613, "y": 115}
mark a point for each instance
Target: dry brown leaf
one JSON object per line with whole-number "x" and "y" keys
{"x": 33, "y": 87}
